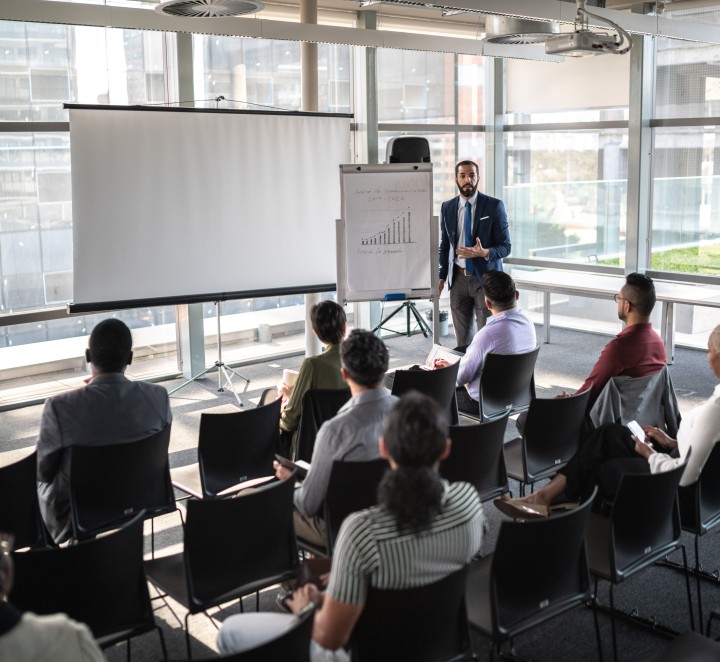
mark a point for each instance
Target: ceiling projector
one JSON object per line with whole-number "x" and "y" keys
{"x": 579, "y": 43}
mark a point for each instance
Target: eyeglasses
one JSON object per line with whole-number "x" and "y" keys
{"x": 617, "y": 298}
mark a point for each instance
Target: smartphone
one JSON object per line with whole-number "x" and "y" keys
{"x": 638, "y": 432}
{"x": 299, "y": 466}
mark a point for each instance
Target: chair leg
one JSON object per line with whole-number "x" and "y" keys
{"x": 127, "y": 650}
{"x": 689, "y": 593}
{"x": 697, "y": 579}
{"x": 162, "y": 642}
{"x": 187, "y": 635}
{"x": 597, "y": 622}
{"x": 612, "y": 623}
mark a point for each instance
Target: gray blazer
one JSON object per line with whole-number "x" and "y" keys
{"x": 111, "y": 409}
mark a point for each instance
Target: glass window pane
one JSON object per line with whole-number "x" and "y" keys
{"x": 566, "y": 195}
{"x": 688, "y": 79}
{"x": 686, "y": 200}
{"x": 46, "y": 65}
{"x": 414, "y": 86}
{"x": 266, "y": 72}
{"x": 471, "y": 90}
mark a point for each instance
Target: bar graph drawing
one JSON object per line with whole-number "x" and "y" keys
{"x": 398, "y": 231}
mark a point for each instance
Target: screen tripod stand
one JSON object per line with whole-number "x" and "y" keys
{"x": 409, "y": 308}
{"x": 224, "y": 372}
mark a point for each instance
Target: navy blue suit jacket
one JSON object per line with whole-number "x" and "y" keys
{"x": 490, "y": 225}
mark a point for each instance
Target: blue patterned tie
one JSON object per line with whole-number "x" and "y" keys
{"x": 468, "y": 236}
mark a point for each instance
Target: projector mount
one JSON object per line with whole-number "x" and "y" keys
{"x": 584, "y": 41}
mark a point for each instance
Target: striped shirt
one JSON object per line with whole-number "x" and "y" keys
{"x": 371, "y": 551}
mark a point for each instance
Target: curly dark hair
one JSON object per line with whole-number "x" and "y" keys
{"x": 365, "y": 358}
{"x": 328, "y": 321}
{"x": 415, "y": 436}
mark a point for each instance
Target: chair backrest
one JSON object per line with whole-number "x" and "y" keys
{"x": 293, "y": 645}
{"x": 436, "y": 384}
{"x": 318, "y": 406}
{"x": 19, "y": 509}
{"x": 507, "y": 380}
{"x": 538, "y": 570}
{"x": 237, "y": 546}
{"x": 352, "y": 487}
{"x": 552, "y": 432}
{"x": 238, "y": 446}
{"x": 644, "y": 520}
{"x": 423, "y": 624}
{"x": 111, "y": 484}
{"x": 476, "y": 457}
{"x": 708, "y": 493}
{"x": 650, "y": 400}
{"x": 100, "y": 582}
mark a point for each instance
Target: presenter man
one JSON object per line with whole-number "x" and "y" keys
{"x": 474, "y": 237}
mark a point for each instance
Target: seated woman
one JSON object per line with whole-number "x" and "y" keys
{"x": 28, "y": 637}
{"x": 612, "y": 450}
{"x": 422, "y": 530}
{"x": 322, "y": 371}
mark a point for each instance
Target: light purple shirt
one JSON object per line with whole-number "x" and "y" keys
{"x": 509, "y": 332}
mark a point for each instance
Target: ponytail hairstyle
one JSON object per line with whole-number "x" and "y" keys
{"x": 415, "y": 437}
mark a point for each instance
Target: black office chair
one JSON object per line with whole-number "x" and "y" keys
{"x": 293, "y": 645}
{"x": 507, "y": 384}
{"x": 476, "y": 457}
{"x": 233, "y": 547}
{"x": 423, "y": 624}
{"x": 551, "y": 437}
{"x": 100, "y": 582}
{"x": 537, "y": 572}
{"x": 352, "y": 487}
{"x": 318, "y": 406}
{"x": 232, "y": 449}
{"x": 700, "y": 512}
{"x": 111, "y": 484}
{"x": 19, "y": 508}
{"x": 643, "y": 527}
{"x": 436, "y": 384}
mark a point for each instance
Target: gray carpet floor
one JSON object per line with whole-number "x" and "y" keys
{"x": 562, "y": 365}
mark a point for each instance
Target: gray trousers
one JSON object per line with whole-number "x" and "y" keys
{"x": 466, "y": 298}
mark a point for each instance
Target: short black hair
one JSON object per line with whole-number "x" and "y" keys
{"x": 466, "y": 163}
{"x": 642, "y": 292}
{"x": 364, "y": 357}
{"x": 499, "y": 287}
{"x": 110, "y": 347}
{"x": 328, "y": 321}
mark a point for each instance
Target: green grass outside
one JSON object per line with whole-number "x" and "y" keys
{"x": 696, "y": 260}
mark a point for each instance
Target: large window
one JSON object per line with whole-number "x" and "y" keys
{"x": 262, "y": 72}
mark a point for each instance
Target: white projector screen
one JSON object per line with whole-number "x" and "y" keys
{"x": 179, "y": 206}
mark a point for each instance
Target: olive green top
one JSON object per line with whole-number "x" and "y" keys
{"x": 322, "y": 371}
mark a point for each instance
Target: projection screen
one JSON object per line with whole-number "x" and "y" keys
{"x": 178, "y": 205}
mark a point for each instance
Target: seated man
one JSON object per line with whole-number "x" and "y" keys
{"x": 612, "y": 450}
{"x": 351, "y": 435}
{"x": 109, "y": 410}
{"x": 637, "y": 351}
{"x": 507, "y": 331}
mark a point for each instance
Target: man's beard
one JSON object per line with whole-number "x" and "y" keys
{"x": 468, "y": 193}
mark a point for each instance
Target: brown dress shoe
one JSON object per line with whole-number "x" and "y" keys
{"x": 518, "y": 509}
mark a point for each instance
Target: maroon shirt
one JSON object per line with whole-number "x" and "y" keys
{"x": 636, "y": 351}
